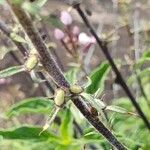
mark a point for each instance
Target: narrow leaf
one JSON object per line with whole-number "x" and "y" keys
{"x": 54, "y": 20}
{"x": 71, "y": 75}
{"x": 98, "y": 77}
{"x": 27, "y": 133}
{"x": 31, "y": 105}
{"x": 17, "y": 38}
{"x": 11, "y": 71}
{"x": 66, "y": 128}
{"x": 41, "y": 3}
{"x": 119, "y": 110}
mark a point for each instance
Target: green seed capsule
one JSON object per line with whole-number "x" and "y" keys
{"x": 31, "y": 62}
{"x": 59, "y": 97}
{"x": 76, "y": 89}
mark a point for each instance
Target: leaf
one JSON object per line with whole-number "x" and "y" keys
{"x": 68, "y": 147}
{"x": 90, "y": 136}
{"x": 17, "y": 38}
{"x": 88, "y": 83}
{"x": 54, "y": 21}
{"x": 71, "y": 75}
{"x": 66, "y": 128}
{"x": 97, "y": 103}
{"x": 98, "y": 77}
{"x": 144, "y": 58}
{"x": 31, "y": 105}
{"x": 27, "y": 133}
{"x": 119, "y": 110}
{"x": 141, "y": 74}
{"x": 31, "y": 8}
{"x": 11, "y": 71}
{"x": 93, "y": 136}
{"x": 40, "y": 3}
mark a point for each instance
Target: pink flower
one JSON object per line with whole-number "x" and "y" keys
{"x": 4, "y": 81}
{"x": 85, "y": 39}
{"x": 65, "y": 18}
{"x": 76, "y": 30}
{"x": 59, "y": 34}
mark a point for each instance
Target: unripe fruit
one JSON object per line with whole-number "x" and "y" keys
{"x": 76, "y": 89}
{"x": 31, "y": 62}
{"x": 59, "y": 97}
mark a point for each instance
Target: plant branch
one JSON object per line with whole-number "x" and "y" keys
{"x": 7, "y": 31}
{"x": 57, "y": 76}
{"x": 105, "y": 50}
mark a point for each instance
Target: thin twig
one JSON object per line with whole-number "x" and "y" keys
{"x": 7, "y": 31}
{"x": 105, "y": 50}
{"x": 57, "y": 76}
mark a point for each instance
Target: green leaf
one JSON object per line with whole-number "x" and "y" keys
{"x": 11, "y": 71}
{"x": 66, "y": 128}
{"x": 40, "y": 3}
{"x": 17, "y": 38}
{"x": 31, "y": 105}
{"x": 144, "y": 58}
{"x": 90, "y": 136}
{"x": 88, "y": 83}
{"x": 54, "y": 21}
{"x": 71, "y": 75}
{"x": 27, "y": 133}
{"x": 97, "y": 103}
{"x": 68, "y": 147}
{"x": 98, "y": 77}
{"x": 141, "y": 74}
{"x": 119, "y": 110}
{"x": 31, "y": 8}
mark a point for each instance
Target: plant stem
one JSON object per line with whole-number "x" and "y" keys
{"x": 7, "y": 31}
{"x": 57, "y": 76}
{"x": 105, "y": 50}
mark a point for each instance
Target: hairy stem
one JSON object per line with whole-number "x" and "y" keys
{"x": 57, "y": 76}
{"x": 105, "y": 50}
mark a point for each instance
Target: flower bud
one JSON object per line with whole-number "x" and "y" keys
{"x": 85, "y": 39}
{"x": 76, "y": 30}
{"x": 4, "y": 81}
{"x": 31, "y": 62}
{"x": 76, "y": 89}
{"x": 59, "y": 97}
{"x": 65, "y": 18}
{"x": 93, "y": 40}
{"x": 59, "y": 34}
